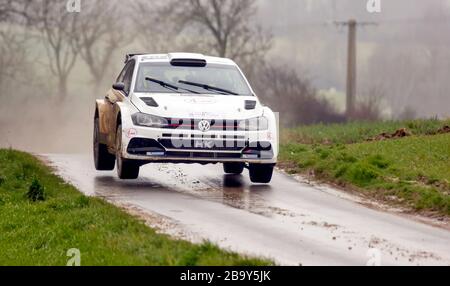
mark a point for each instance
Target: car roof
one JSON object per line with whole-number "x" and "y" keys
{"x": 170, "y": 56}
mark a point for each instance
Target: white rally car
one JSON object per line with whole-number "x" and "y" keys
{"x": 184, "y": 108}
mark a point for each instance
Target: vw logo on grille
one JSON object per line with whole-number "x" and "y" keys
{"x": 204, "y": 125}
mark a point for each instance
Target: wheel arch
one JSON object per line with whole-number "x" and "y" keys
{"x": 118, "y": 119}
{"x": 122, "y": 116}
{"x": 100, "y": 113}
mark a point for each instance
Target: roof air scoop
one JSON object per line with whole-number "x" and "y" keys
{"x": 187, "y": 59}
{"x": 188, "y": 63}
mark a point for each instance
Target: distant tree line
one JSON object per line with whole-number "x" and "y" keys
{"x": 225, "y": 28}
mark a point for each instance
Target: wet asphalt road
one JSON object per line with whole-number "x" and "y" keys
{"x": 289, "y": 221}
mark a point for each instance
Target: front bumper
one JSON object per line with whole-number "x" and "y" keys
{"x": 192, "y": 146}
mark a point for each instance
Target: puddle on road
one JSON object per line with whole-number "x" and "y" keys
{"x": 231, "y": 190}
{"x": 112, "y": 187}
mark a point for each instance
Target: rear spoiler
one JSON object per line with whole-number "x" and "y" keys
{"x": 177, "y": 59}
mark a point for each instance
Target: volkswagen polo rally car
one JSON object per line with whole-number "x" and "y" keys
{"x": 184, "y": 108}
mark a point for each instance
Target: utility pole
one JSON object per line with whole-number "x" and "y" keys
{"x": 351, "y": 68}
{"x": 351, "y": 64}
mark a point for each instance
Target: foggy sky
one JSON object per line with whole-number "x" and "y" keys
{"x": 406, "y": 54}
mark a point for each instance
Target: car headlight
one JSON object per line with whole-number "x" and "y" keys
{"x": 254, "y": 124}
{"x": 149, "y": 120}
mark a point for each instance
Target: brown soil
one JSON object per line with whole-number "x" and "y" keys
{"x": 400, "y": 133}
{"x": 445, "y": 129}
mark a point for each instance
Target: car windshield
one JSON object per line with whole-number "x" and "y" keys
{"x": 211, "y": 79}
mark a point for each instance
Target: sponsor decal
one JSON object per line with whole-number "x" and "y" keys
{"x": 131, "y": 132}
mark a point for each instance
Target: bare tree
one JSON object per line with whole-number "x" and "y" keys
{"x": 155, "y": 30}
{"x": 5, "y": 9}
{"x": 99, "y": 36}
{"x": 223, "y": 27}
{"x": 12, "y": 55}
{"x": 369, "y": 105}
{"x": 157, "y": 27}
{"x": 13, "y": 9}
{"x": 13, "y": 40}
{"x": 58, "y": 30}
{"x": 293, "y": 97}
{"x": 229, "y": 23}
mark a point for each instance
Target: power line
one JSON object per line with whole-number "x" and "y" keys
{"x": 405, "y": 21}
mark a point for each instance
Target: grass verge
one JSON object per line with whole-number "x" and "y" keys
{"x": 354, "y": 132}
{"x": 413, "y": 171}
{"x": 41, "y": 217}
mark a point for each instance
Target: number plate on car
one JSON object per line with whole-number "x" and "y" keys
{"x": 203, "y": 144}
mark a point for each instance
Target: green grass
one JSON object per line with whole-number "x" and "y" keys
{"x": 354, "y": 132}
{"x": 415, "y": 170}
{"x": 39, "y": 224}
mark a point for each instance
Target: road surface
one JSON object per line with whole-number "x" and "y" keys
{"x": 290, "y": 221}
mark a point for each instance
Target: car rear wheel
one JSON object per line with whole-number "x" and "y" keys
{"x": 126, "y": 169}
{"x": 103, "y": 160}
{"x": 233, "y": 168}
{"x": 261, "y": 173}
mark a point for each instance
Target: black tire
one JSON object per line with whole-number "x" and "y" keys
{"x": 126, "y": 169}
{"x": 233, "y": 168}
{"x": 103, "y": 160}
{"x": 261, "y": 173}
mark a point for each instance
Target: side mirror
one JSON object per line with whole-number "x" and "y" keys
{"x": 119, "y": 86}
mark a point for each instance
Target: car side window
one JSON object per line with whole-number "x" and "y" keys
{"x": 128, "y": 76}
{"x": 122, "y": 73}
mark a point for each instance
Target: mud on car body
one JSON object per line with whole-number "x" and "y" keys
{"x": 184, "y": 108}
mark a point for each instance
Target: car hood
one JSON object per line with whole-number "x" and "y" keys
{"x": 198, "y": 106}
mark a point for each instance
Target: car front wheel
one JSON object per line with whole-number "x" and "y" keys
{"x": 233, "y": 168}
{"x": 103, "y": 160}
{"x": 261, "y": 173}
{"x": 126, "y": 169}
